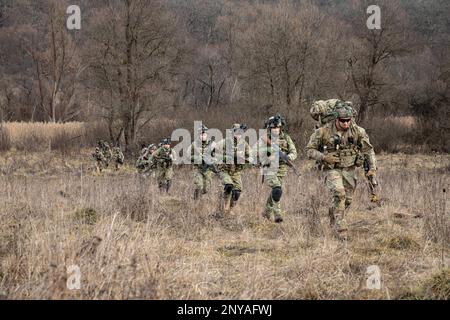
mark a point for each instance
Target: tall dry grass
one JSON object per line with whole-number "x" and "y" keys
{"x": 40, "y": 136}
{"x": 405, "y": 134}
{"x": 130, "y": 242}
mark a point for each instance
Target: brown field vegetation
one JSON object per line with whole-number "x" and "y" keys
{"x": 72, "y": 136}
{"x": 130, "y": 242}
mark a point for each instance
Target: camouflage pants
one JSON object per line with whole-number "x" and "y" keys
{"x": 342, "y": 184}
{"x": 100, "y": 165}
{"x": 232, "y": 177}
{"x": 164, "y": 175}
{"x": 273, "y": 180}
{"x": 202, "y": 180}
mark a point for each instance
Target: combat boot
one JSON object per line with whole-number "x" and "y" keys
{"x": 168, "y": 184}
{"x": 331, "y": 216}
{"x": 340, "y": 225}
{"x": 196, "y": 194}
{"x": 277, "y": 212}
{"x": 266, "y": 214}
{"x": 277, "y": 217}
{"x": 233, "y": 203}
{"x": 226, "y": 204}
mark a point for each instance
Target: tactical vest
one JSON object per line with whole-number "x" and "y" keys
{"x": 164, "y": 157}
{"x": 346, "y": 149}
{"x": 200, "y": 150}
{"x": 236, "y": 156}
{"x": 282, "y": 143}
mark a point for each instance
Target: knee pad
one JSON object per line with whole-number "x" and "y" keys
{"x": 236, "y": 195}
{"x": 228, "y": 188}
{"x": 340, "y": 194}
{"x": 276, "y": 194}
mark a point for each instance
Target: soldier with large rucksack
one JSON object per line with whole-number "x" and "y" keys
{"x": 340, "y": 145}
{"x": 324, "y": 111}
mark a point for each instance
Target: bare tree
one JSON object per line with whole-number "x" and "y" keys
{"x": 133, "y": 51}
{"x": 55, "y": 59}
{"x": 371, "y": 50}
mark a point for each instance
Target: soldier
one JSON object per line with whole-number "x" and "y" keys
{"x": 233, "y": 165}
{"x": 145, "y": 161}
{"x": 286, "y": 152}
{"x": 323, "y": 111}
{"x": 143, "y": 157}
{"x": 203, "y": 168}
{"x": 163, "y": 158}
{"x": 341, "y": 145}
{"x": 102, "y": 156}
{"x": 117, "y": 157}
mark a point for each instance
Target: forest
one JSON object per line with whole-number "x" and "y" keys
{"x": 138, "y": 69}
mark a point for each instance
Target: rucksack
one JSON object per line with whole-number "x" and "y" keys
{"x": 323, "y": 111}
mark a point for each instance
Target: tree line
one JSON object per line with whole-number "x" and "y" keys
{"x": 135, "y": 62}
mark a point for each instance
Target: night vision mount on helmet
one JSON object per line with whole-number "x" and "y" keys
{"x": 276, "y": 121}
{"x": 239, "y": 126}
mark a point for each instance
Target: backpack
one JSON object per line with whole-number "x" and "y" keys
{"x": 323, "y": 110}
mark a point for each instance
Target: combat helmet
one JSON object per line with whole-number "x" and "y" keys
{"x": 165, "y": 141}
{"x": 103, "y": 144}
{"x": 202, "y": 129}
{"x": 344, "y": 110}
{"x": 239, "y": 126}
{"x": 276, "y": 121}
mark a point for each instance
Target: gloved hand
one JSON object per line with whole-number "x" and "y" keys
{"x": 371, "y": 173}
{"x": 372, "y": 179}
{"x": 331, "y": 158}
{"x": 374, "y": 198}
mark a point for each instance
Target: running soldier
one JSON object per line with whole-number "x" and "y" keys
{"x": 145, "y": 162}
{"x": 282, "y": 147}
{"x": 102, "y": 156}
{"x": 341, "y": 146}
{"x": 199, "y": 151}
{"x": 117, "y": 157}
{"x": 163, "y": 158}
{"x": 239, "y": 155}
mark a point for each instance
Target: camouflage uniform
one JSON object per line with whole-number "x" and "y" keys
{"x": 163, "y": 158}
{"x": 102, "y": 156}
{"x": 203, "y": 172}
{"x": 142, "y": 159}
{"x": 145, "y": 163}
{"x": 230, "y": 173}
{"x": 274, "y": 178}
{"x": 117, "y": 157}
{"x": 349, "y": 147}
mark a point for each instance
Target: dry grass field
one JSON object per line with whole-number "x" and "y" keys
{"x": 129, "y": 242}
